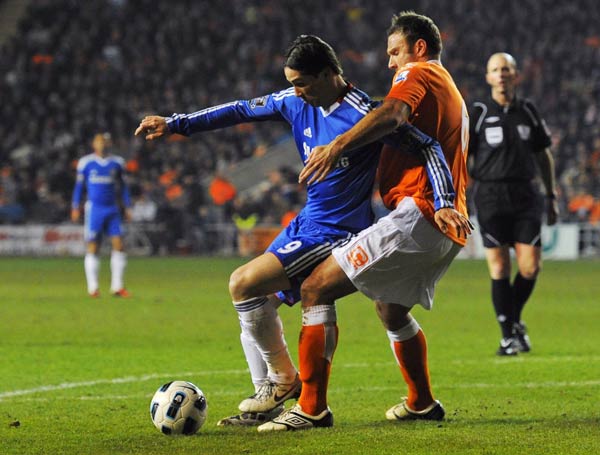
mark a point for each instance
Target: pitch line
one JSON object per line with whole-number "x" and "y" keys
{"x": 335, "y": 390}
{"x": 149, "y": 377}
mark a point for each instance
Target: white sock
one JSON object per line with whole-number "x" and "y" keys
{"x": 118, "y": 261}
{"x": 319, "y": 314}
{"x": 403, "y": 334}
{"x": 91, "y": 265}
{"x": 256, "y": 364}
{"x": 259, "y": 319}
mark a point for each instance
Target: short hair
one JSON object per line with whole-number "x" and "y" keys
{"x": 416, "y": 26}
{"x": 310, "y": 55}
{"x": 509, "y": 58}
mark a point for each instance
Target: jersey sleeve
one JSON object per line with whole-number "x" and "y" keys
{"x": 409, "y": 85}
{"x": 268, "y": 107}
{"x": 541, "y": 135}
{"x": 78, "y": 190}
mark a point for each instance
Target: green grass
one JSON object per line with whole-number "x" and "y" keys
{"x": 77, "y": 374}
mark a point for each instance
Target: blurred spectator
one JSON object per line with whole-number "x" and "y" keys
{"x": 143, "y": 209}
{"x": 75, "y": 67}
{"x": 11, "y": 211}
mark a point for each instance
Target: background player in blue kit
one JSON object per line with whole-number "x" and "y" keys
{"x": 319, "y": 106}
{"x": 102, "y": 175}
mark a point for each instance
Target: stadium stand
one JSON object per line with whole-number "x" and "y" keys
{"x": 73, "y": 68}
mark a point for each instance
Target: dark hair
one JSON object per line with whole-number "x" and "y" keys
{"x": 310, "y": 55}
{"x": 416, "y": 26}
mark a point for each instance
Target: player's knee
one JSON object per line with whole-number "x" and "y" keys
{"x": 499, "y": 270}
{"x": 312, "y": 291}
{"x": 530, "y": 271}
{"x": 240, "y": 284}
{"x": 393, "y": 317}
{"x": 235, "y": 283}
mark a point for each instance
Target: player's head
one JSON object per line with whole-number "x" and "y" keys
{"x": 314, "y": 70}
{"x": 502, "y": 73}
{"x": 412, "y": 37}
{"x": 310, "y": 55}
{"x": 101, "y": 142}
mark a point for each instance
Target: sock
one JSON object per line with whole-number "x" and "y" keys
{"x": 118, "y": 261}
{"x": 260, "y": 322}
{"x": 318, "y": 340}
{"x": 256, "y": 364}
{"x": 91, "y": 265}
{"x": 502, "y": 298}
{"x": 410, "y": 349}
{"x": 522, "y": 289}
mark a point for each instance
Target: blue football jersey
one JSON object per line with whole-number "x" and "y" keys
{"x": 343, "y": 199}
{"x": 102, "y": 178}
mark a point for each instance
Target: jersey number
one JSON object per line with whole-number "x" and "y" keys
{"x": 289, "y": 247}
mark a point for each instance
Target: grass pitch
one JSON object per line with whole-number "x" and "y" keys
{"x": 77, "y": 374}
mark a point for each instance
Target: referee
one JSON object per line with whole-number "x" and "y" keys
{"x": 507, "y": 138}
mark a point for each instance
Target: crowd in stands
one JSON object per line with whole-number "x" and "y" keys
{"x": 75, "y": 68}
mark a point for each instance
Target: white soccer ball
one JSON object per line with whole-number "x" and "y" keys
{"x": 178, "y": 407}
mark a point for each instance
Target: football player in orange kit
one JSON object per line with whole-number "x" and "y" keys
{"x": 398, "y": 261}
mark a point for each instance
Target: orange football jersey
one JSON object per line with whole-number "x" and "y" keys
{"x": 437, "y": 109}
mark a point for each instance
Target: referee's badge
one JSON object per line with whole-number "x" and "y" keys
{"x": 494, "y": 135}
{"x": 524, "y": 132}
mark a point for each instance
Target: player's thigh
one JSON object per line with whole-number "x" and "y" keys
{"x": 93, "y": 222}
{"x": 498, "y": 262}
{"x": 300, "y": 248}
{"x": 325, "y": 284}
{"x": 261, "y": 276}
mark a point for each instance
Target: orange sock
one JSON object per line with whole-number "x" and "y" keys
{"x": 411, "y": 355}
{"x": 315, "y": 351}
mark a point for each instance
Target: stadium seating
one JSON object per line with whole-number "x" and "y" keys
{"x": 74, "y": 68}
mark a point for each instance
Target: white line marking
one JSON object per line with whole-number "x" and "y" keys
{"x": 127, "y": 379}
{"x": 188, "y": 374}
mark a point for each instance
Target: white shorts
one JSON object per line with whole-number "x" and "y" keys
{"x": 399, "y": 259}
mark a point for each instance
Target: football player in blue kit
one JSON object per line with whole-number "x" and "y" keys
{"x": 102, "y": 175}
{"x": 319, "y": 106}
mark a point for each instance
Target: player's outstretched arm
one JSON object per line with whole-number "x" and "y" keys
{"x": 153, "y": 126}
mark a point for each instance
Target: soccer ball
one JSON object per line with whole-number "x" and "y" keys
{"x": 178, "y": 407}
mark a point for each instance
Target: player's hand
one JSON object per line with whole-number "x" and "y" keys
{"x": 447, "y": 218}
{"x": 75, "y": 214}
{"x": 128, "y": 214}
{"x": 552, "y": 212}
{"x": 321, "y": 161}
{"x": 153, "y": 126}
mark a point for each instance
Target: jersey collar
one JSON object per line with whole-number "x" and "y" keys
{"x": 337, "y": 102}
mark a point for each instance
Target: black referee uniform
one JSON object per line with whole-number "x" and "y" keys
{"x": 502, "y": 163}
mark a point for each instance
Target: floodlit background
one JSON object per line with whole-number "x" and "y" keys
{"x": 69, "y": 69}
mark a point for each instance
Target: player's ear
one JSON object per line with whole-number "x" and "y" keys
{"x": 420, "y": 48}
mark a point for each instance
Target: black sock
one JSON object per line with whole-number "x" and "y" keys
{"x": 502, "y": 298}
{"x": 522, "y": 289}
